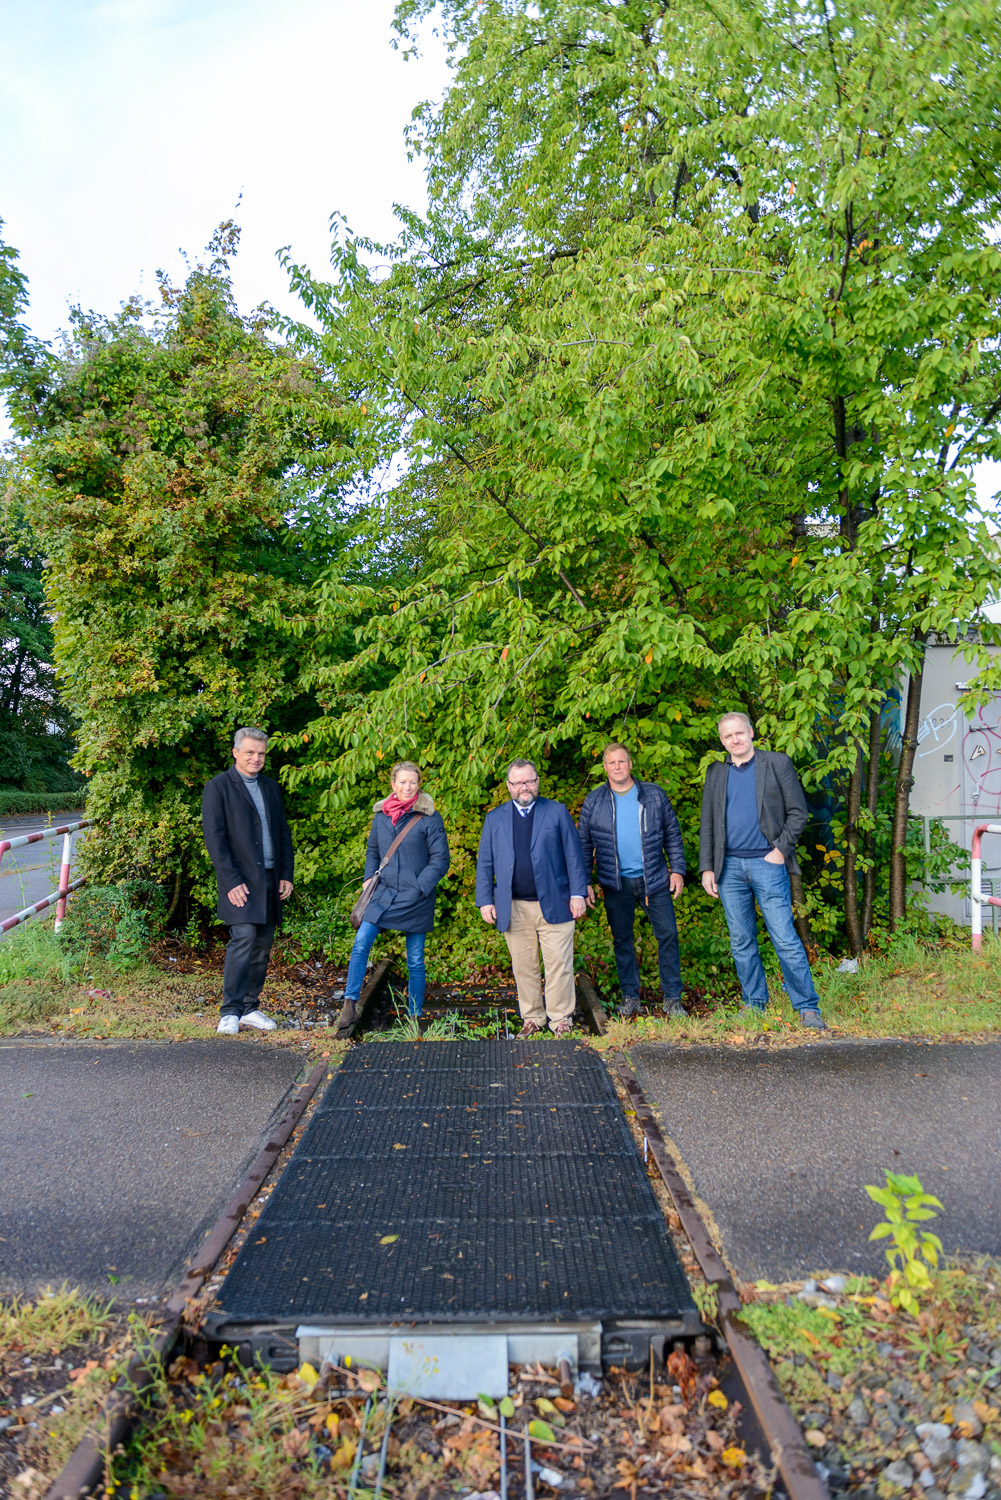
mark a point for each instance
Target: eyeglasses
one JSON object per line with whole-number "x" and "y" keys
{"x": 521, "y": 786}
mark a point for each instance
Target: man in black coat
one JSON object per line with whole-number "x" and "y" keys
{"x": 627, "y": 827}
{"x": 753, "y": 813}
{"x": 250, "y": 846}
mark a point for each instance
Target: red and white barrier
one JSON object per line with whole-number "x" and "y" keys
{"x": 65, "y": 884}
{"x": 979, "y": 900}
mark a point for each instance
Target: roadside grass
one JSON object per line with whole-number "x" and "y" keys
{"x": 864, "y": 1377}
{"x": 909, "y": 990}
{"x": 935, "y": 993}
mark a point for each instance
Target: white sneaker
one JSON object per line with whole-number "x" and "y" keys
{"x": 258, "y": 1020}
{"x": 228, "y": 1026}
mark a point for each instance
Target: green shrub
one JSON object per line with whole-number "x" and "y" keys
{"x": 117, "y": 922}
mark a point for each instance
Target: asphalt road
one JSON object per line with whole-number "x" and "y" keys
{"x": 781, "y": 1144}
{"x": 118, "y": 1157}
{"x": 29, "y": 874}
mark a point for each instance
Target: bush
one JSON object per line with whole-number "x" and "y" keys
{"x": 40, "y": 802}
{"x": 117, "y": 922}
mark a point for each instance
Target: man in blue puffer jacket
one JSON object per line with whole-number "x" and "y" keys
{"x": 626, "y": 829}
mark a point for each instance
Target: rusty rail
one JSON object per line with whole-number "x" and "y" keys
{"x": 781, "y": 1430}
{"x": 86, "y": 1465}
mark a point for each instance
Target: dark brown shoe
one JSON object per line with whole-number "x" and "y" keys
{"x": 347, "y": 1017}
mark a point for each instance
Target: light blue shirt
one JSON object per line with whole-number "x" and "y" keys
{"x": 628, "y": 839}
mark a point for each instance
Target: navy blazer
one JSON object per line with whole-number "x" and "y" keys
{"x": 232, "y": 828}
{"x": 556, "y": 860}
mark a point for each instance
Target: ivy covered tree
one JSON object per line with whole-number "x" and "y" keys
{"x": 690, "y": 364}
{"x": 184, "y": 487}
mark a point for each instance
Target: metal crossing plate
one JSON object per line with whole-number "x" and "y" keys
{"x": 420, "y": 1194}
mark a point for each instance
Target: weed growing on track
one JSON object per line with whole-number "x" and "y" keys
{"x": 60, "y": 1353}
{"x": 49, "y": 1323}
{"x": 864, "y": 1378}
{"x": 226, "y": 1431}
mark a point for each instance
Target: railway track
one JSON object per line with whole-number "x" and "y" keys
{"x": 370, "y": 1413}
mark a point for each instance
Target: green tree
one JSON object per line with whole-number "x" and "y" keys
{"x": 690, "y": 364}
{"x": 36, "y": 729}
{"x": 185, "y": 469}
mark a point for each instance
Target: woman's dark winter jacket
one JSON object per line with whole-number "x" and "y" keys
{"x": 405, "y": 896}
{"x": 659, "y": 828}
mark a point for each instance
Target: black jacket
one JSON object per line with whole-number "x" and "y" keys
{"x": 405, "y": 896}
{"x": 782, "y": 810}
{"x": 659, "y": 830}
{"x": 232, "y": 829}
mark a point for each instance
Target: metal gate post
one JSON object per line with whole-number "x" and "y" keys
{"x": 977, "y": 899}
{"x": 64, "y": 879}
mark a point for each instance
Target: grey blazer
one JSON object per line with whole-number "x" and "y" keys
{"x": 782, "y": 810}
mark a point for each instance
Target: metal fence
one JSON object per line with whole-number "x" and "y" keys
{"x": 66, "y": 832}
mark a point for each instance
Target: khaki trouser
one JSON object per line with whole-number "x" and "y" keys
{"x": 529, "y": 931}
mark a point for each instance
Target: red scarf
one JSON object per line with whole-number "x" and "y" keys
{"x": 395, "y": 809}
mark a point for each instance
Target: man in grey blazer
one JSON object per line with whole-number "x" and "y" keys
{"x": 753, "y": 813}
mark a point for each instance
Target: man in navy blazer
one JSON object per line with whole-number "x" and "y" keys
{"x": 250, "y": 846}
{"x": 531, "y": 882}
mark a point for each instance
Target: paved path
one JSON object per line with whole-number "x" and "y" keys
{"x": 116, "y": 1158}
{"x": 781, "y": 1144}
{"x": 28, "y": 875}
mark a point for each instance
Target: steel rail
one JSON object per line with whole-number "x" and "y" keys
{"x": 782, "y": 1432}
{"x": 86, "y": 1465}
{"x": 977, "y": 899}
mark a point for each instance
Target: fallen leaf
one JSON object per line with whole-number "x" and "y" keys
{"x": 717, "y": 1398}
{"x": 815, "y": 1437}
{"x": 541, "y": 1432}
{"x": 734, "y": 1458}
{"x": 388, "y": 1239}
{"x": 676, "y": 1442}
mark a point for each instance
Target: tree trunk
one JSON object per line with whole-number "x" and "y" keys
{"x": 799, "y": 916}
{"x": 902, "y": 792}
{"x": 852, "y": 922}
{"x": 869, "y": 840}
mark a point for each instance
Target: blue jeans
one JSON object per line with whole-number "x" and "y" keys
{"x": 620, "y": 909}
{"x": 741, "y": 881}
{"x": 358, "y": 962}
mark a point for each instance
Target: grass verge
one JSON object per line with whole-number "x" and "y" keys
{"x": 910, "y": 990}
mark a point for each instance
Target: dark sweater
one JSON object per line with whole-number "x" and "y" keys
{"x": 523, "y": 880}
{"x": 744, "y": 839}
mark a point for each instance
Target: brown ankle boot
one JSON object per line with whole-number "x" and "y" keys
{"x": 347, "y": 1017}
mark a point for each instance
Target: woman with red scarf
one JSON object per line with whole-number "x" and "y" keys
{"x": 404, "y": 898}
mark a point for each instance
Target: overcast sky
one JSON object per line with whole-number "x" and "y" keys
{"x": 130, "y": 128}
